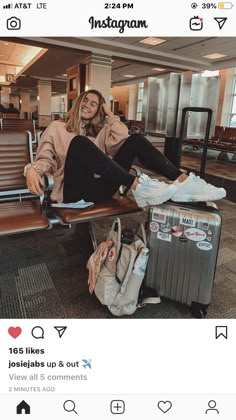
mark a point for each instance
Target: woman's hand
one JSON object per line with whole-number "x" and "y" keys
{"x": 34, "y": 182}
{"x": 107, "y": 110}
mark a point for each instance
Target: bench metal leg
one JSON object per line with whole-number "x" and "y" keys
{"x": 92, "y": 236}
{"x": 85, "y": 233}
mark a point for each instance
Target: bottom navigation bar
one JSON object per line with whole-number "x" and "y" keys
{"x": 127, "y": 406}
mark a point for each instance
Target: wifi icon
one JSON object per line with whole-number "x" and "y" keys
{"x": 8, "y": 6}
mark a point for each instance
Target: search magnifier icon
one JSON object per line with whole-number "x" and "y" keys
{"x": 69, "y": 406}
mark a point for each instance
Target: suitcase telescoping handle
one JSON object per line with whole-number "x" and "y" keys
{"x": 207, "y": 132}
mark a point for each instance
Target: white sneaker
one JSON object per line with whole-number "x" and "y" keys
{"x": 152, "y": 192}
{"x": 196, "y": 189}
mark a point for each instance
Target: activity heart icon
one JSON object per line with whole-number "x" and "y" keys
{"x": 164, "y": 406}
{"x": 14, "y": 331}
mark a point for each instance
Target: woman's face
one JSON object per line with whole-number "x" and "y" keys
{"x": 89, "y": 106}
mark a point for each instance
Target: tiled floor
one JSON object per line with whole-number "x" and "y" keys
{"x": 44, "y": 275}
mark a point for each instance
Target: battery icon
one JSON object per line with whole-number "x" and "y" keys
{"x": 225, "y": 5}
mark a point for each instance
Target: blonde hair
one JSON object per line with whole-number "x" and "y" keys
{"x": 74, "y": 123}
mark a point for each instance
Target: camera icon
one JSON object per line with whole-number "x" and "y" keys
{"x": 13, "y": 23}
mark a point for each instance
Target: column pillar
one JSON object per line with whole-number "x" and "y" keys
{"x": 5, "y": 96}
{"x": 25, "y": 102}
{"x": 44, "y": 102}
{"x": 98, "y": 75}
{"x": 226, "y": 88}
{"x": 133, "y": 101}
{"x": 76, "y": 78}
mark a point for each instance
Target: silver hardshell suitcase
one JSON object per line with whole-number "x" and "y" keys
{"x": 183, "y": 240}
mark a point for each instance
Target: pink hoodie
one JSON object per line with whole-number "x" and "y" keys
{"x": 55, "y": 141}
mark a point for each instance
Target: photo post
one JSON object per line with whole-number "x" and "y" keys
{"x": 117, "y": 209}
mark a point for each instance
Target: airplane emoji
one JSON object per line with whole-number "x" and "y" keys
{"x": 87, "y": 363}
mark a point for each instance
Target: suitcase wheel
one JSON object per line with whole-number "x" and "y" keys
{"x": 199, "y": 314}
{"x": 199, "y": 311}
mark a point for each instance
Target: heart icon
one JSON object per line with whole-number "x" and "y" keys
{"x": 164, "y": 406}
{"x": 14, "y": 331}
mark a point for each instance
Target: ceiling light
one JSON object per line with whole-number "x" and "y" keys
{"x": 210, "y": 73}
{"x": 129, "y": 75}
{"x": 112, "y": 61}
{"x": 214, "y": 56}
{"x": 153, "y": 41}
{"x": 158, "y": 69}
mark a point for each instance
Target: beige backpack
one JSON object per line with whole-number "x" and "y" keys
{"x": 122, "y": 272}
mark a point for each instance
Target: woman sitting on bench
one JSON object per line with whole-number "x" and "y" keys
{"x": 90, "y": 155}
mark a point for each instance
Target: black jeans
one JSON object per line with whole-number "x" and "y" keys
{"x": 84, "y": 159}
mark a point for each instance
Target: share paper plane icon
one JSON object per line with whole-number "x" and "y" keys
{"x": 60, "y": 330}
{"x": 221, "y": 21}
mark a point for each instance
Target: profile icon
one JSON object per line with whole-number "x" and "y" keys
{"x": 212, "y": 407}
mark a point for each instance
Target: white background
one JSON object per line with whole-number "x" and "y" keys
{"x": 139, "y": 407}
{"x": 128, "y": 356}
{"x": 138, "y": 361}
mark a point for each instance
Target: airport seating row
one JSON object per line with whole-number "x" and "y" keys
{"x": 9, "y": 116}
{"x": 20, "y": 211}
{"x": 224, "y": 140}
{"x": 14, "y": 124}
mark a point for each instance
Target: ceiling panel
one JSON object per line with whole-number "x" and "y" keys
{"x": 130, "y": 56}
{"x": 54, "y": 63}
{"x": 17, "y": 54}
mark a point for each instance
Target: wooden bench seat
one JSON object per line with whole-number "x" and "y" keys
{"x": 18, "y": 217}
{"x": 86, "y": 217}
{"x": 114, "y": 207}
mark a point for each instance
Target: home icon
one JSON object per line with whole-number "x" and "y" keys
{"x": 23, "y": 408}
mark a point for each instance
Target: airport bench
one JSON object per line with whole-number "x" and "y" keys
{"x": 20, "y": 211}
{"x": 11, "y": 116}
{"x": 224, "y": 140}
{"x": 14, "y": 124}
{"x": 110, "y": 208}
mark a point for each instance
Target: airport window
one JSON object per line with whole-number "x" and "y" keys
{"x": 232, "y": 113}
{"x": 71, "y": 103}
{"x": 73, "y": 84}
{"x": 140, "y": 101}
